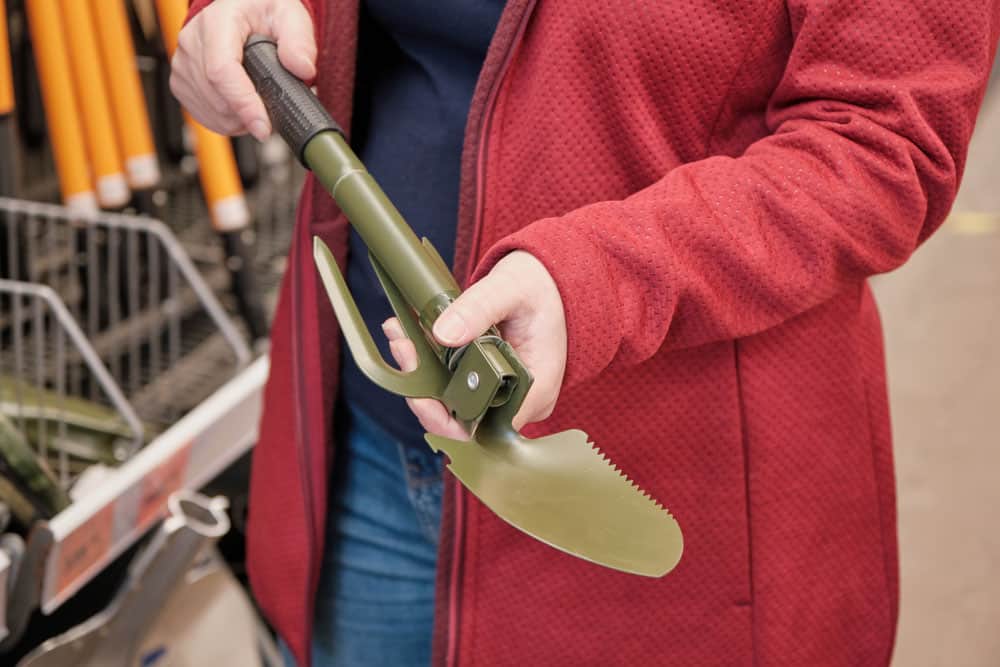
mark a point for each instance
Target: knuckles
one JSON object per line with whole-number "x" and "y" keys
{"x": 217, "y": 71}
{"x": 187, "y": 40}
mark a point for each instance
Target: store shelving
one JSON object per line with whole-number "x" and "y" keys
{"x": 101, "y": 525}
{"x": 4, "y": 570}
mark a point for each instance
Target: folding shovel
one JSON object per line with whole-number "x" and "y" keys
{"x": 559, "y": 489}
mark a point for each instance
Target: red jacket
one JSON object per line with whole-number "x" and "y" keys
{"x": 710, "y": 184}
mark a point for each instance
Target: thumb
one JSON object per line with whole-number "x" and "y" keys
{"x": 293, "y": 31}
{"x": 488, "y": 302}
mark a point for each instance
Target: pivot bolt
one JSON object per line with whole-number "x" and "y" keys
{"x": 472, "y": 380}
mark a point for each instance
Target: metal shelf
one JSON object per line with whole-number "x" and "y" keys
{"x": 98, "y": 527}
{"x": 125, "y": 317}
{"x": 4, "y": 569}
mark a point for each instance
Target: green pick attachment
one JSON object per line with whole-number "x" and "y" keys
{"x": 430, "y": 377}
{"x": 560, "y": 489}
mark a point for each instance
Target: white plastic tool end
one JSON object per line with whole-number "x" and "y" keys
{"x": 112, "y": 191}
{"x": 231, "y": 213}
{"x": 143, "y": 171}
{"x": 82, "y": 202}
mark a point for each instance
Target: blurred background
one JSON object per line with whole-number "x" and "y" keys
{"x": 139, "y": 260}
{"x": 140, "y": 256}
{"x": 941, "y": 314}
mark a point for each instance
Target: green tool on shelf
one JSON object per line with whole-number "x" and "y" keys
{"x": 85, "y": 431}
{"x": 559, "y": 489}
{"x": 26, "y": 483}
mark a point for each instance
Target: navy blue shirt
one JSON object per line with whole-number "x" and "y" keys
{"x": 418, "y": 63}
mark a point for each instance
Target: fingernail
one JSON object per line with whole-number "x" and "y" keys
{"x": 307, "y": 64}
{"x": 389, "y": 329}
{"x": 258, "y": 129}
{"x": 450, "y": 328}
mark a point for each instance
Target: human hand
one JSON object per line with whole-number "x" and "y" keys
{"x": 521, "y": 298}
{"x": 206, "y": 73}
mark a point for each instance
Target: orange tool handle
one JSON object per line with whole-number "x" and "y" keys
{"x": 62, "y": 118}
{"x": 92, "y": 95}
{"x": 9, "y": 146}
{"x": 171, "y": 14}
{"x": 220, "y": 179}
{"x": 6, "y": 73}
{"x": 128, "y": 103}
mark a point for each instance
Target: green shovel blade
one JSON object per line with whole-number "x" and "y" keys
{"x": 562, "y": 491}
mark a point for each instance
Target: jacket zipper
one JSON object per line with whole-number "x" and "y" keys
{"x": 304, "y": 443}
{"x": 459, "y": 498}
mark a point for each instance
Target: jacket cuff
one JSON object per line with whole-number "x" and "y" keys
{"x": 586, "y": 286}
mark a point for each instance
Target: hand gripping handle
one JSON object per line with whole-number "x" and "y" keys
{"x": 294, "y": 110}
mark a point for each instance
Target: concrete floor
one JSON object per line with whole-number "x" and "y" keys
{"x": 942, "y": 325}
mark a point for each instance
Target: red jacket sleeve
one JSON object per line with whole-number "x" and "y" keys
{"x": 869, "y": 129}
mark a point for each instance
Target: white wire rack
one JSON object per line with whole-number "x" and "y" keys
{"x": 41, "y": 338}
{"x": 109, "y": 335}
{"x": 124, "y": 320}
{"x": 106, "y": 327}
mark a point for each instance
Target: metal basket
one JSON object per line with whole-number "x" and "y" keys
{"x": 108, "y": 332}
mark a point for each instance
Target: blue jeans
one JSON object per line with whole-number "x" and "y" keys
{"x": 375, "y": 604}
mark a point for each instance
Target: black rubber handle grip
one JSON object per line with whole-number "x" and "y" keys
{"x": 296, "y": 113}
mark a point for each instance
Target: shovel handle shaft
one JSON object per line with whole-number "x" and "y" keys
{"x": 300, "y": 118}
{"x": 482, "y": 375}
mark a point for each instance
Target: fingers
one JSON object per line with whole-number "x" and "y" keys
{"x": 235, "y": 104}
{"x": 392, "y": 329}
{"x": 400, "y": 346}
{"x": 484, "y": 304}
{"x": 434, "y": 417}
{"x": 534, "y": 409}
{"x": 228, "y": 84}
{"x": 207, "y": 74}
{"x": 293, "y": 30}
{"x": 431, "y": 414}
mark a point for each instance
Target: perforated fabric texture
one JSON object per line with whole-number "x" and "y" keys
{"x": 710, "y": 184}
{"x": 753, "y": 163}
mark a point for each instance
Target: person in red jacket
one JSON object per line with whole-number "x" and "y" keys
{"x": 672, "y": 210}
